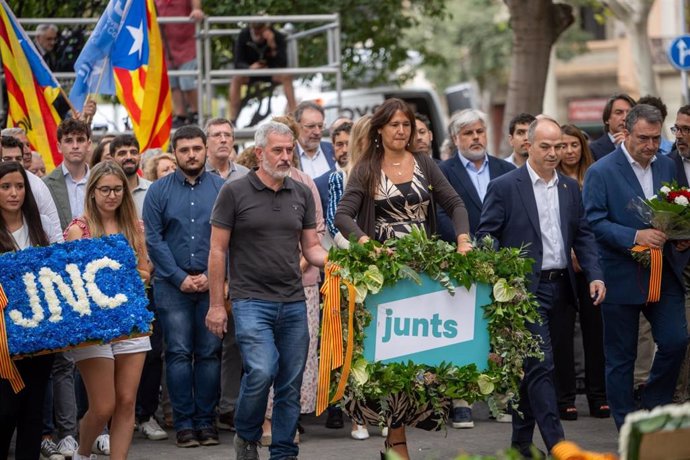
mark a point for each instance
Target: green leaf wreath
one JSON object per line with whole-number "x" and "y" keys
{"x": 373, "y": 265}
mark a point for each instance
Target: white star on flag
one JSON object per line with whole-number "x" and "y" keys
{"x": 138, "y": 36}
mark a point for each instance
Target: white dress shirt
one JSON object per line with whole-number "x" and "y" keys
{"x": 546, "y": 196}
{"x": 45, "y": 203}
{"x": 644, "y": 175}
{"x": 313, "y": 166}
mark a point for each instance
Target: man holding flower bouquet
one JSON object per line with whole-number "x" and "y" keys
{"x": 612, "y": 186}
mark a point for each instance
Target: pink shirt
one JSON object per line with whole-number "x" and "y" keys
{"x": 180, "y": 45}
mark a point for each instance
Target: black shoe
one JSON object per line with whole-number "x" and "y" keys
{"x": 335, "y": 418}
{"x": 528, "y": 450}
{"x": 208, "y": 436}
{"x": 568, "y": 413}
{"x": 601, "y": 410}
{"x": 187, "y": 438}
{"x": 193, "y": 118}
{"x": 226, "y": 421}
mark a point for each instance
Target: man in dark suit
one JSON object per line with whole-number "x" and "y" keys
{"x": 470, "y": 171}
{"x": 681, "y": 155}
{"x": 315, "y": 157}
{"x": 636, "y": 171}
{"x": 539, "y": 209}
{"x": 617, "y": 107}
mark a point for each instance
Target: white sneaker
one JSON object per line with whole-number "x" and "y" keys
{"x": 152, "y": 430}
{"x": 76, "y": 456}
{"x": 504, "y": 418}
{"x": 101, "y": 445}
{"x": 67, "y": 446}
{"x": 384, "y": 432}
{"x": 49, "y": 450}
{"x": 359, "y": 433}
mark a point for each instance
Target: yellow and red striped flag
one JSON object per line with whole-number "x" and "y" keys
{"x": 31, "y": 89}
{"x": 127, "y": 48}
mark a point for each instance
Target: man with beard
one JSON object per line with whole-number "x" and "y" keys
{"x": 263, "y": 219}
{"x": 125, "y": 151}
{"x": 315, "y": 157}
{"x": 423, "y": 135}
{"x": 517, "y": 138}
{"x": 176, "y": 215}
{"x": 681, "y": 155}
{"x": 470, "y": 171}
{"x": 615, "y": 111}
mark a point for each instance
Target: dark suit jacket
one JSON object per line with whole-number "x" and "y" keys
{"x": 58, "y": 189}
{"x": 458, "y": 177}
{"x": 511, "y": 218}
{"x": 602, "y": 146}
{"x": 322, "y": 186}
{"x": 681, "y": 177}
{"x": 610, "y": 187}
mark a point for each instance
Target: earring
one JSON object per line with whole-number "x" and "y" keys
{"x": 376, "y": 142}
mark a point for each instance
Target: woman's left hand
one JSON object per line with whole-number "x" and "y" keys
{"x": 464, "y": 244}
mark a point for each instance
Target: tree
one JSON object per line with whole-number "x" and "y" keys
{"x": 633, "y": 14}
{"x": 536, "y": 25}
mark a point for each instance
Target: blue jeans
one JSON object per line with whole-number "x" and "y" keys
{"x": 274, "y": 339}
{"x": 621, "y": 323}
{"x": 192, "y": 356}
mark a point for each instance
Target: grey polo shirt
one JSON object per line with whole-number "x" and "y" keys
{"x": 139, "y": 194}
{"x": 264, "y": 243}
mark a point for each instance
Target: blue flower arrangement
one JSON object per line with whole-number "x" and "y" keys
{"x": 65, "y": 295}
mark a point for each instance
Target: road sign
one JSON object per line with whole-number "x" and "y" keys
{"x": 679, "y": 52}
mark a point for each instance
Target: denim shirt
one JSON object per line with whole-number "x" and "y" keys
{"x": 176, "y": 216}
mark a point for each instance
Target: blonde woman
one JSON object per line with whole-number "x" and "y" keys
{"x": 110, "y": 372}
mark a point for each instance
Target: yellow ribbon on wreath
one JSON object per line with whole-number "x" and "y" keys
{"x": 331, "y": 351}
{"x": 656, "y": 258}
{"x": 8, "y": 370}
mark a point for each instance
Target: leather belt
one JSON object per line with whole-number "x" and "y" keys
{"x": 551, "y": 275}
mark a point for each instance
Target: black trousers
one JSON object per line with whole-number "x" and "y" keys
{"x": 593, "y": 344}
{"x": 24, "y": 411}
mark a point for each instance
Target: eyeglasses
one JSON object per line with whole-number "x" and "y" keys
{"x": 684, "y": 130}
{"x": 105, "y": 191}
{"x": 221, "y": 135}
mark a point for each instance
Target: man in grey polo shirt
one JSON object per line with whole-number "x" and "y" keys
{"x": 262, "y": 219}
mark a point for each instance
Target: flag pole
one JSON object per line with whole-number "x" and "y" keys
{"x": 72, "y": 108}
{"x": 98, "y": 83}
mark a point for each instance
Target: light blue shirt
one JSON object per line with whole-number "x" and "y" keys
{"x": 76, "y": 191}
{"x": 480, "y": 177}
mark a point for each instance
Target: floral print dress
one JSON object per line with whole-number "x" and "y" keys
{"x": 398, "y": 208}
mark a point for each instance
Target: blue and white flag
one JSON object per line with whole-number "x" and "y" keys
{"x": 94, "y": 59}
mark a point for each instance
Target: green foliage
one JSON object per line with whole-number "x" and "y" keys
{"x": 398, "y": 259}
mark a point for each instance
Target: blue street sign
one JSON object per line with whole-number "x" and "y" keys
{"x": 679, "y": 52}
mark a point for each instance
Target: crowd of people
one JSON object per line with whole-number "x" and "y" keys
{"x": 231, "y": 247}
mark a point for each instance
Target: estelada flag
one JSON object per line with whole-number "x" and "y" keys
{"x": 126, "y": 47}
{"x": 31, "y": 89}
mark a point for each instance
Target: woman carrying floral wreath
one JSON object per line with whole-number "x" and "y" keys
{"x": 21, "y": 226}
{"x": 110, "y": 372}
{"x": 390, "y": 191}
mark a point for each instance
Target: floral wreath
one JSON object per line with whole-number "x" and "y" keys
{"x": 366, "y": 268}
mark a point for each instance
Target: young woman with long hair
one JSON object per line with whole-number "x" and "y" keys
{"x": 22, "y": 226}
{"x": 110, "y": 372}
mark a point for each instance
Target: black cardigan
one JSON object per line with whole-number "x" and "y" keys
{"x": 358, "y": 203}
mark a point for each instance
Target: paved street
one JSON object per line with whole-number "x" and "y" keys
{"x": 319, "y": 443}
